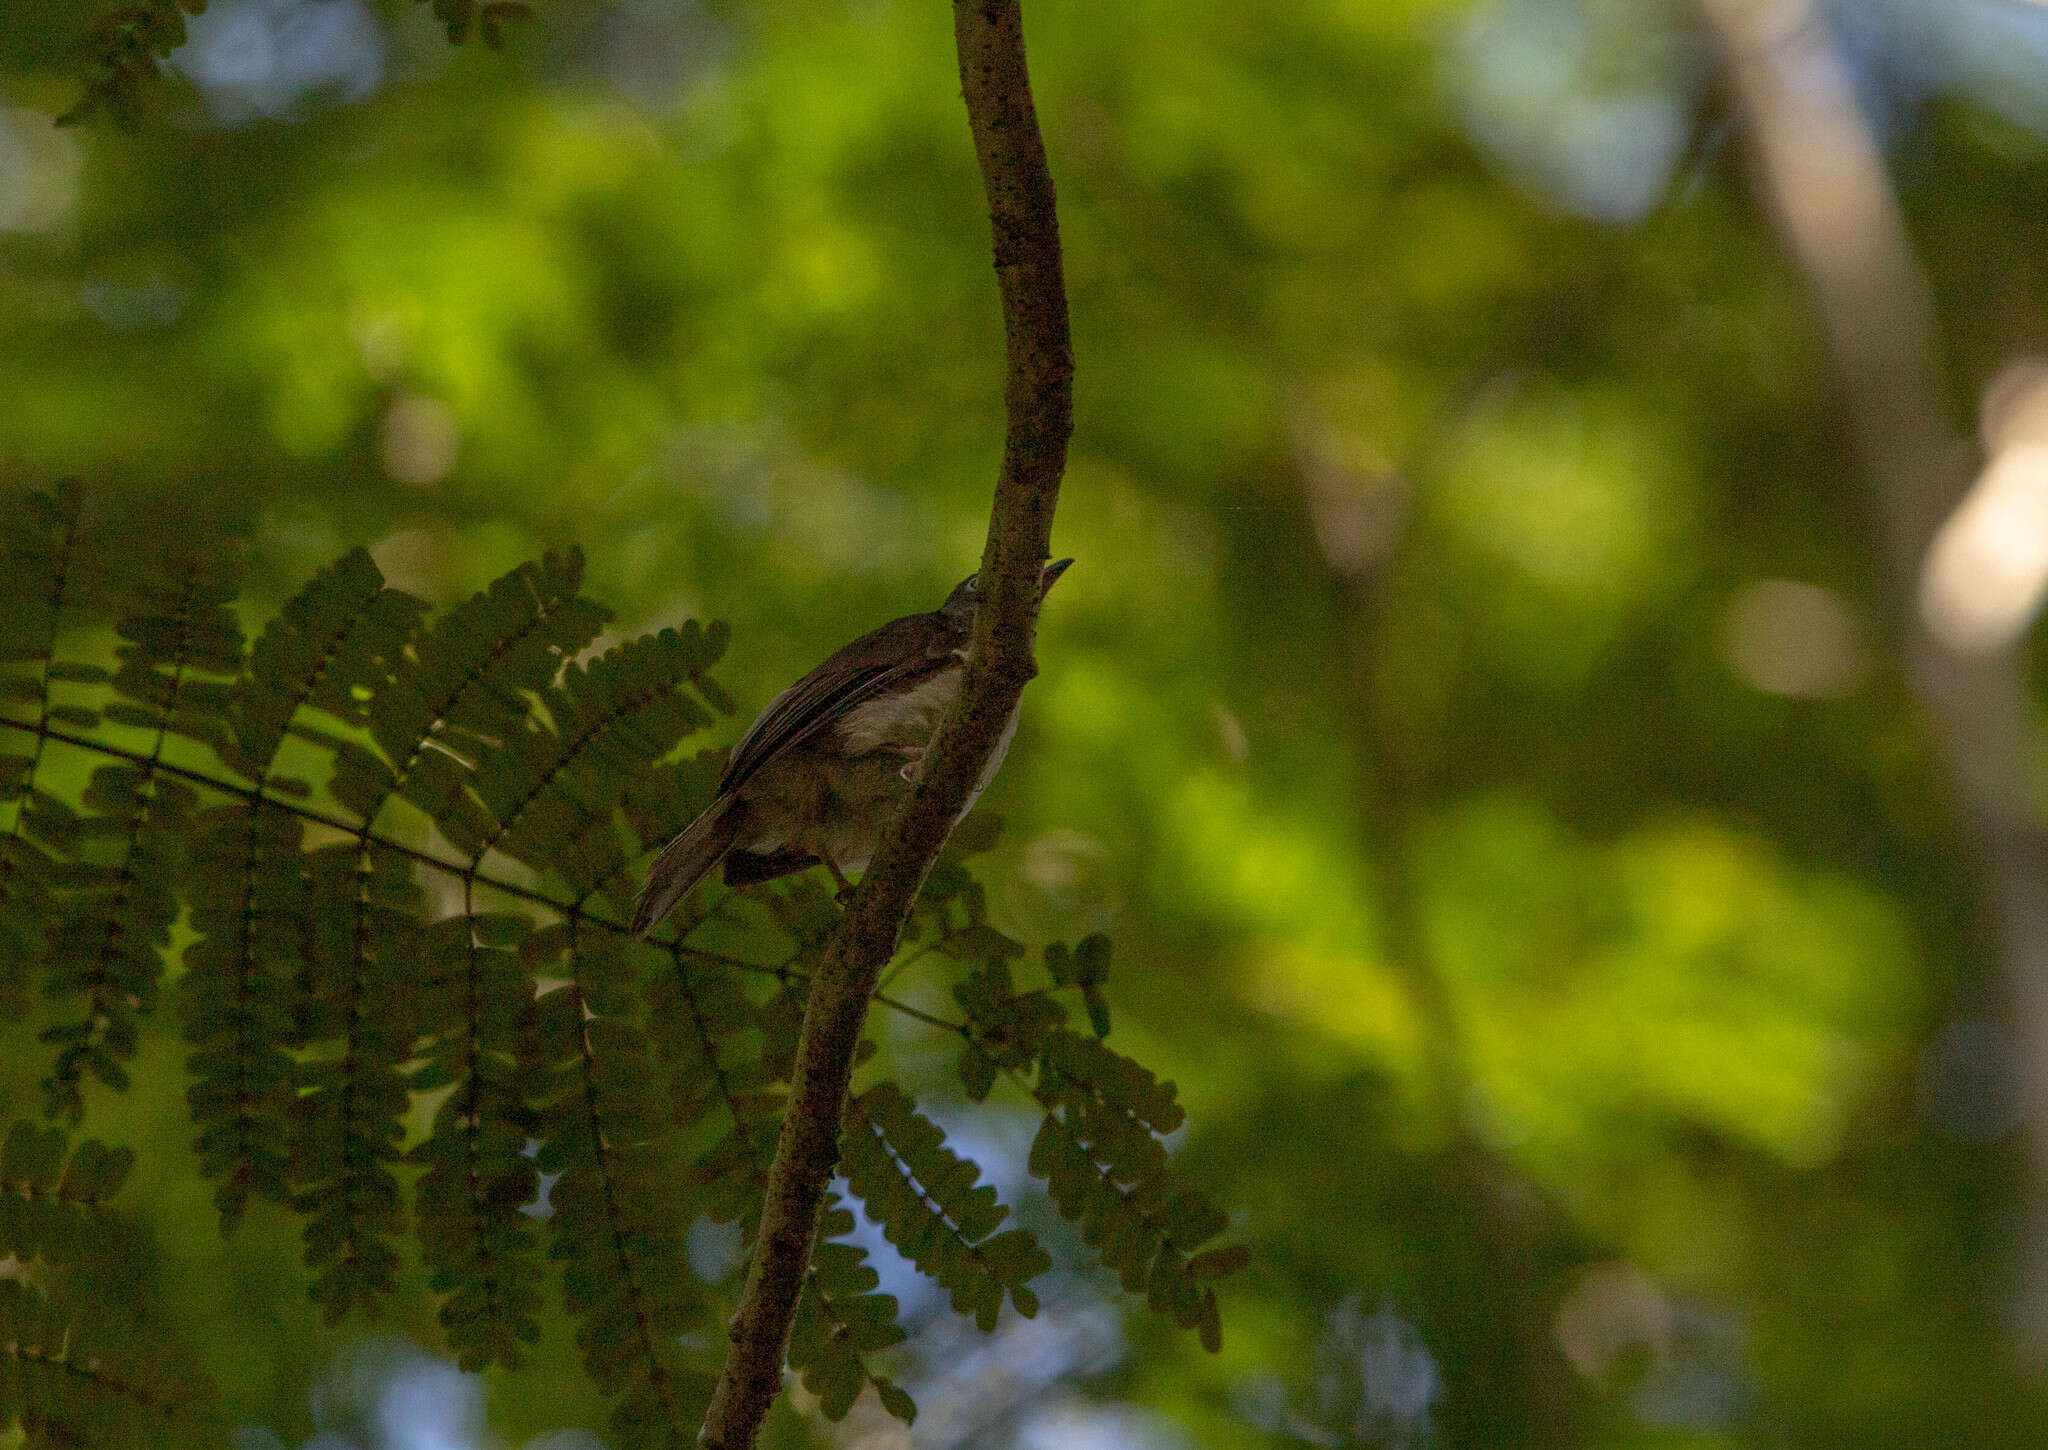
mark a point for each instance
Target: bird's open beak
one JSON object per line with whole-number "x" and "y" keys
{"x": 1050, "y": 576}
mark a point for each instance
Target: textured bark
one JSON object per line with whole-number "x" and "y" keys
{"x": 1039, "y": 403}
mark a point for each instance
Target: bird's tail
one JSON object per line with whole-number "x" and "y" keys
{"x": 685, "y": 861}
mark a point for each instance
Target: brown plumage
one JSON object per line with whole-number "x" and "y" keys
{"x": 820, "y": 773}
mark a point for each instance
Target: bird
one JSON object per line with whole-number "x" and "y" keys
{"x": 818, "y": 776}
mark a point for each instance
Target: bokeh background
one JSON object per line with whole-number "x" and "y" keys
{"x": 1546, "y": 704}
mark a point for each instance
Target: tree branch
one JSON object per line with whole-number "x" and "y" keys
{"x": 1823, "y": 179}
{"x": 1039, "y": 402}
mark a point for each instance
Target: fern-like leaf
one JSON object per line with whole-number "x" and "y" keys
{"x": 1105, "y": 1169}
{"x": 38, "y": 555}
{"x": 358, "y": 1007}
{"x": 181, "y": 652}
{"x": 464, "y": 690}
{"x": 69, "y": 1381}
{"x": 108, "y": 941}
{"x": 327, "y": 649}
{"x": 549, "y": 793}
{"x": 618, "y": 1215}
{"x": 933, "y": 1208}
{"x": 333, "y": 648}
{"x": 470, "y": 1203}
{"x": 328, "y": 993}
{"x": 704, "y": 1028}
{"x": 1098, "y": 1146}
{"x": 85, "y": 1356}
{"x": 250, "y": 902}
{"x": 453, "y": 693}
{"x": 1009, "y": 1027}
{"x": 180, "y": 648}
{"x": 702, "y": 1021}
{"x": 53, "y": 1207}
{"x": 839, "y": 1318}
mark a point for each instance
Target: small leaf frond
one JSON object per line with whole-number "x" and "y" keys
{"x": 87, "y": 1357}
{"x": 400, "y": 847}
{"x": 933, "y": 1208}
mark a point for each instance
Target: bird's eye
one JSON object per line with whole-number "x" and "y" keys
{"x": 974, "y": 584}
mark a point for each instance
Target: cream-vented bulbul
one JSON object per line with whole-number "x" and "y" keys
{"x": 820, "y": 773}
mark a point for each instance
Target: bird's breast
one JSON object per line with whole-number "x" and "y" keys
{"x": 904, "y": 718}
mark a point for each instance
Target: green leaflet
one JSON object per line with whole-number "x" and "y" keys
{"x": 38, "y": 546}
{"x": 180, "y": 649}
{"x": 726, "y": 1080}
{"x": 106, "y": 942}
{"x": 364, "y": 943}
{"x": 1085, "y": 967}
{"x": 432, "y": 701}
{"x": 1008, "y": 1028}
{"x": 66, "y": 1380}
{"x": 620, "y": 1211}
{"x": 250, "y": 896}
{"x": 549, "y": 793}
{"x": 332, "y": 647}
{"x": 53, "y": 1208}
{"x": 839, "y": 1318}
{"x": 463, "y": 686}
{"x": 1098, "y": 1148}
{"x": 934, "y": 1210}
{"x": 723, "y": 1092}
{"x": 121, "y": 55}
{"x": 660, "y": 801}
{"x": 489, "y": 17}
{"x": 26, "y": 906}
{"x": 327, "y": 649}
{"x": 469, "y": 1205}
{"x": 85, "y": 1358}
{"x": 342, "y": 962}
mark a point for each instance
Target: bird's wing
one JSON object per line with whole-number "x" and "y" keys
{"x": 889, "y": 657}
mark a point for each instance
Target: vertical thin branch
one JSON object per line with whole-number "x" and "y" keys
{"x": 1825, "y": 184}
{"x": 1039, "y": 403}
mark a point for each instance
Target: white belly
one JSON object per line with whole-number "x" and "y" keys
{"x": 907, "y": 718}
{"x": 995, "y": 759}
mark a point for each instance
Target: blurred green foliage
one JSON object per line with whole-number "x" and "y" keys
{"x": 1589, "y": 1042}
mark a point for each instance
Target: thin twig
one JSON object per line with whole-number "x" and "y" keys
{"x": 909, "y": 960}
{"x": 1039, "y": 402}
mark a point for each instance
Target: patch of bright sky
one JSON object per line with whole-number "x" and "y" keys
{"x": 971, "y": 1385}
{"x": 1586, "y": 103}
{"x": 262, "y": 58}
{"x": 1904, "y": 52}
{"x": 386, "y": 1394}
{"x": 1589, "y": 104}
{"x": 1077, "y": 1425}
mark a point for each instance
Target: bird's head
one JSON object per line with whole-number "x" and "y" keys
{"x": 961, "y": 604}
